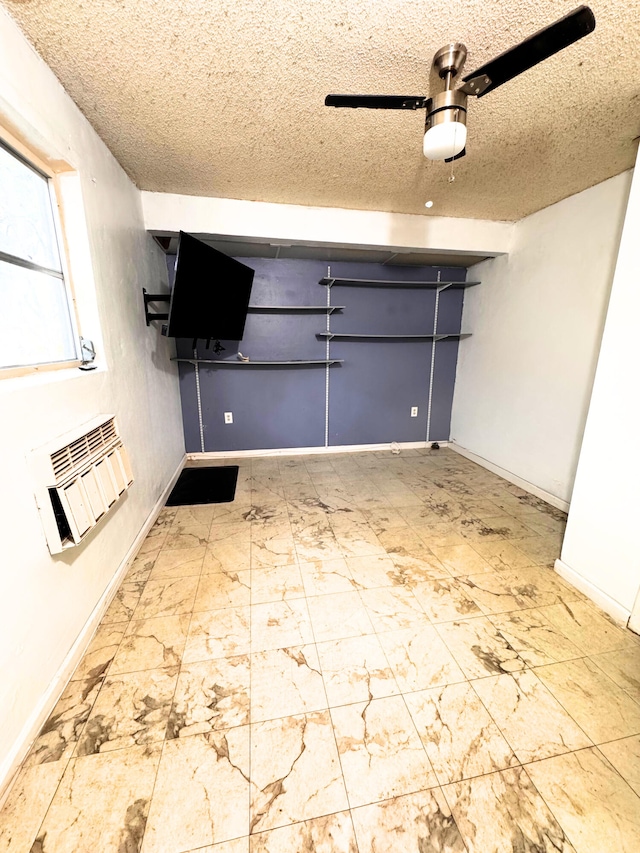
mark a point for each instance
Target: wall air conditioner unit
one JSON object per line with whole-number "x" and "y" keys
{"x": 79, "y": 477}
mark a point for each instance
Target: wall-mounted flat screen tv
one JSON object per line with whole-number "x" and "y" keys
{"x": 210, "y": 293}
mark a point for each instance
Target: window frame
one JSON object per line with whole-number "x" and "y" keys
{"x": 50, "y": 170}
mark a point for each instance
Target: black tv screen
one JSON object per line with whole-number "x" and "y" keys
{"x": 210, "y": 293}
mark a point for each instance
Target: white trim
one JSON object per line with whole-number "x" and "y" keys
{"x": 305, "y": 451}
{"x": 634, "y": 618}
{"x": 10, "y": 766}
{"x": 512, "y": 478}
{"x": 604, "y": 602}
{"x": 292, "y": 223}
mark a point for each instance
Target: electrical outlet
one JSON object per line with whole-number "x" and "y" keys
{"x": 414, "y": 411}
{"x": 228, "y": 417}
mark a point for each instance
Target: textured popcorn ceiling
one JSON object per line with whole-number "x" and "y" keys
{"x": 225, "y": 98}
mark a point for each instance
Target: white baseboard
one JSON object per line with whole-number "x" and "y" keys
{"x": 604, "y": 602}
{"x": 48, "y": 700}
{"x": 306, "y": 451}
{"x": 512, "y": 478}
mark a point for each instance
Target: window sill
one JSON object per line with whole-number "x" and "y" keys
{"x": 40, "y": 378}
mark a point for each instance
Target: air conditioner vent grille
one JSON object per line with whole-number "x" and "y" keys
{"x": 74, "y": 456}
{"x": 79, "y": 477}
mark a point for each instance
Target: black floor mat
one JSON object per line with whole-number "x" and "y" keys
{"x": 205, "y": 486}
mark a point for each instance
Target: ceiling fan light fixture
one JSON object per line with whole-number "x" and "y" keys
{"x": 446, "y": 125}
{"x": 444, "y": 140}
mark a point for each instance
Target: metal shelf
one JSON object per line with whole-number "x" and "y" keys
{"x": 438, "y": 336}
{"x": 224, "y": 363}
{"x": 316, "y": 309}
{"x": 372, "y": 282}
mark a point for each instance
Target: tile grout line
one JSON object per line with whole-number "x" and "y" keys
{"x": 433, "y": 687}
{"x": 324, "y": 687}
{"x": 539, "y": 793}
{"x": 560, "y": 703}
{"x": 175, "y": 690}
{"x": 402, "y": 694}
{"x": 315, "y": 645}
{"x": 333, "y": 730}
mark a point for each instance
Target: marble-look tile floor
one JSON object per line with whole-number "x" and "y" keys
{"x": 363, "y": 653}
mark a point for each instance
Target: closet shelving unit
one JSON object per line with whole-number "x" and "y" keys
{"x": 434, "y": 336}
{"x": 327, "y": 310}
{"x": 330, "y": 281}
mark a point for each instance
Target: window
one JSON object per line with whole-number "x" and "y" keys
{"x": 37, "y": 317}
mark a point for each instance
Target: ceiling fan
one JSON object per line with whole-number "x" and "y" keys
{"x": 446, "y": 123}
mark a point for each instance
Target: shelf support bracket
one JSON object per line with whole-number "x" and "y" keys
{"x": 154, "y": 297}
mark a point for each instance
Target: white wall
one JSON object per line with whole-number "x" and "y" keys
{"x": 601, "y": 550}
{"x": 256, "y": 219}
{"x": 45, "y": 601}
{"x": 524, "y": 377}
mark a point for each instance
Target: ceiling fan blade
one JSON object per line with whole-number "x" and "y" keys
{"x": 377, "y": 102}
{"x": 457, "y": 157}
{"x": 532, "y": 50}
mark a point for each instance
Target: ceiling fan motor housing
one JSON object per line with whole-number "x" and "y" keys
{"x": 446, "y": 107}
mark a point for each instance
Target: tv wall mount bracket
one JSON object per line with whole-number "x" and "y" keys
{"x": 166, "y": 297}
{"x": 154, "y": 297}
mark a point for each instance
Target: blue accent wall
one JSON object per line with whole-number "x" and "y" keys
{"x": 370, "y": 394}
